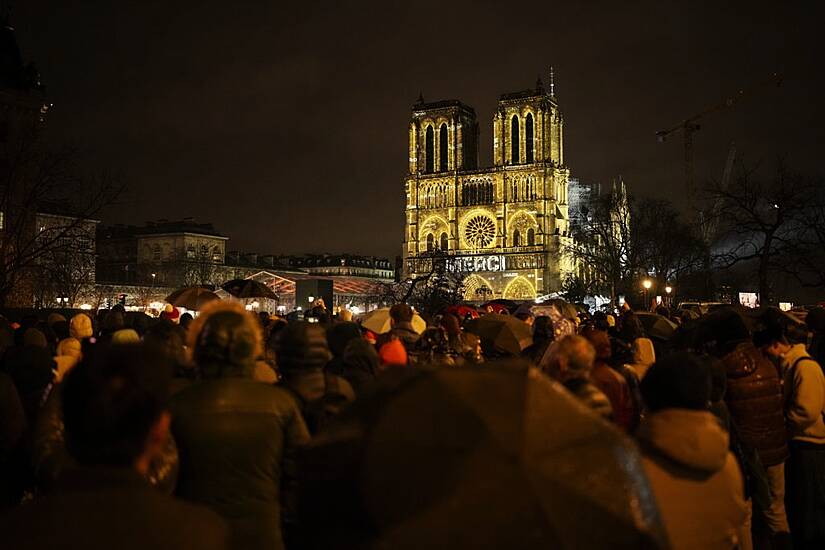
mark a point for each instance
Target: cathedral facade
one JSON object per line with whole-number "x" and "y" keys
{"x": 504, "y": 226}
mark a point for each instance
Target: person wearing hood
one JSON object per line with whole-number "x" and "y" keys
{"x": 570, "y": 361}
{"x": 610, "y": 382}
{"x": 80, "y": 327}
{"x": 804, "y": 403}
{"x": 754, "y": 398}
{"x": 237, "y": 436}
{"x": 68, "y": 355}
{"x": 32, "y": 369}
{"x": 302, "y": 353}
{"x": 644, "y": 355}
{"x": 353, "y": 358}
{"x": 695, "y": 478}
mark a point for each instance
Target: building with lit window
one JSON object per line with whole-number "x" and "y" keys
{"x": 506, "y": 225}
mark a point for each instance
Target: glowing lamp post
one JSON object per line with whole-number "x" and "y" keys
{"x": 668, "y": 291}
{"x": 646, "y": 284}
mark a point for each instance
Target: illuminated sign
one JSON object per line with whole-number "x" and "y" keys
{"x": 493, "y": 263}
{"x": 472, "y": 264}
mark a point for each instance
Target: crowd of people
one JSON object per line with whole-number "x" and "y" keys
{"x": 121, "y": 430}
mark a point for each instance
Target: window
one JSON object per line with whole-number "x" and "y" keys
{"x": 444, "y": 241}
{"x": 531, "y": 237}
{"x": 516, "y": 238}
{"x": 528, "y": 138}
{"x": 216, "y": 254}
{"x": 156, "y": 253}
{"x": 429, "y": 151}
{"x": 430, "y": 242}
{"x": 514, "y": 140}
{"x": 443, "y": 143}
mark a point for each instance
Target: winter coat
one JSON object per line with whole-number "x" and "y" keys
{"x": 754, "y": 399}
{"x": 804, "y": 396}
{"x": 237, "y": 438}
{"x": 406, "y": 333}
{"x": 32, "y": 368}
{"x": 614, "y": 386}
{"x": 644, "y": 355}
{"x": 321, "y": 395}
{"x": 106, "y": 508}
{"x": 358, "y": 365}
{"x": 695, "y": 479}
{"x": 590, "y": 396}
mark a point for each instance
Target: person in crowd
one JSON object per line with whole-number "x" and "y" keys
{"x": 695, "y": 478}
{"x": 804, "y": 406}
{"x": 644, "y": 355}
{"x": 344, "y": 315}
{"x": 302, "y": 353}
{"x": 68, "y": 355}
{"x": 754, "y": 399}
{"x": 237, "y": 436}
{"x": 170, "y": 313}
{"x": 525, "y": 317}
{"x": 570, "y": 361}
{"x": 360, "y": 365}
{"x": 116, "y": 424}
{"x": 80, "y": 327}
{"x": 31, "y": 366}
{"x": 816, "y": 324}
{"x": 401, "y": 316}
{"x": 186, "y": 320}
{"x": 339, "y": 335}
{"x": 464, "y": 347}
{"x": 542, "y": 338}
{"x": 125, "y": 336}
{"x": 610, "y": 382}
{"x": 12, "y": 428}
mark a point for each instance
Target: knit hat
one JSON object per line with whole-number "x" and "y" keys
{"x": 393, "y": 353}
{"x": 54, "y": 318}
{"x": 677, "y": 381}
{"x": 33, "y": 337}
{"x": 80, "y": 326}
{"x": 171, "y": 313}
{"x": 70, "y": 347}
{"x": 226, "y": 337}
{"x": 302, "y": 346}
{"x": 125, "y": 336}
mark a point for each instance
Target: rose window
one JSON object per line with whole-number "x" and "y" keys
{"x": 480, "y": 231}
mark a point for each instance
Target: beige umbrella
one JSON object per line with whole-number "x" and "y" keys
{"x": 378, "y": 321}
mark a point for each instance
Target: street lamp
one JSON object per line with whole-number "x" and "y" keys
{"x": 647, "y": 283}
{"x": 153, "y": 279}
{"x": 668, "y": 290}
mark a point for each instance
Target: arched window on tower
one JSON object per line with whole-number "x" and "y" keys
{"x": 443, "y": 142}
{"x": 531, "y": 237}
{"x": 516, "y": 238}
{"x": 444, "y": 242}
{"x": 429, "y": 151}
{"x": 528, "y": 138}
{"x": 514, "y": 140}
{"x": 430, "y": 242}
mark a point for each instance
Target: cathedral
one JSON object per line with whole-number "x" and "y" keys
{"x": 505, "y": 226}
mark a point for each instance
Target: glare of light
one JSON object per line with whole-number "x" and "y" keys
{"x": 156, "y": 305}
{"x": 647, "y": 283}
{"x": 85, "y": 307}
{"x": 311, "y": 299}
{"x": 248, "y": 307}
{"x": 668, "y": 289}
{"x": 355, "y": 310}
{"x": 255, "y": 305}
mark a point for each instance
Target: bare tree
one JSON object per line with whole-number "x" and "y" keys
{"x": 439, "y": 286}
{"x": 33, "y": 177}
{"x": 764, "y": 221}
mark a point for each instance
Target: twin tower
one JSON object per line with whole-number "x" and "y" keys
{"x": 504, "y": 226}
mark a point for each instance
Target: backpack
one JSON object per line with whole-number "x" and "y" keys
{"x": 318, "y": 413}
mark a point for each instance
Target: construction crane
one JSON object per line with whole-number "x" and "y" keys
{"x": 691, "y": 125}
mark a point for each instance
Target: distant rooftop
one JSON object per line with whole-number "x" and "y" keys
{"x": 161, "y": 226}
{"x": 442, "y": 104}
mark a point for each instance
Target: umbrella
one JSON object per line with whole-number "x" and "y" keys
{"x": 501, "y": 333}
{"x": 193, "y": 297}
{"x": 657, "y": 326}
{"x": 248, "y": 288}
{"x": 473, "y": 457}
{"x": 500, "y": 305}
{"x": 555, "y": 309}
{"x": 378, "y": 321}
{"x": 462, "y": 311}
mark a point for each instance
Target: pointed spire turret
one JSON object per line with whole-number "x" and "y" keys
{"x": 420, "y": 98}
{"x": 552, "y": 83}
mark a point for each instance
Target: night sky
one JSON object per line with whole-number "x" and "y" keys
{"x": 285, "y": 124}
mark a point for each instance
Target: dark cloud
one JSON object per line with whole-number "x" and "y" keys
{"x": 285, "y": 123}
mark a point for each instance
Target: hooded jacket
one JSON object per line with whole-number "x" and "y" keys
{"x": 804, "y": 393}
{"x": 644, "y": 355}
{"x": 695, "y": 478}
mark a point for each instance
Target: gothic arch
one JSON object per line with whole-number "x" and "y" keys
{"x": 520, "y": 289}
{"x": 429, "y": 150}
{"x": 444, "y": 242}
{"x": 430, "y": 242}
{"x": 443, "y": 147}
{"x": 473, "y": 286}
{"x": 515, "y": 156}
{"x": 522, "y": 220}
{"x": 528, "y": 138}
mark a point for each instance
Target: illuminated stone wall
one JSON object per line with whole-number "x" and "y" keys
{"x": 505, "y": 225}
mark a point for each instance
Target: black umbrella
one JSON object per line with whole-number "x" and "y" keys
{"x": 248, "y": 288}
{"x": 473, "y": 457}
{"x": 657, "y": 326}
{"x": 193, "y": 297}
{"x": 501, "y": 333}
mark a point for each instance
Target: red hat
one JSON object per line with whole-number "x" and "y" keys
{"x": 170, "y": 312}
{"x": 393, "y": 353}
